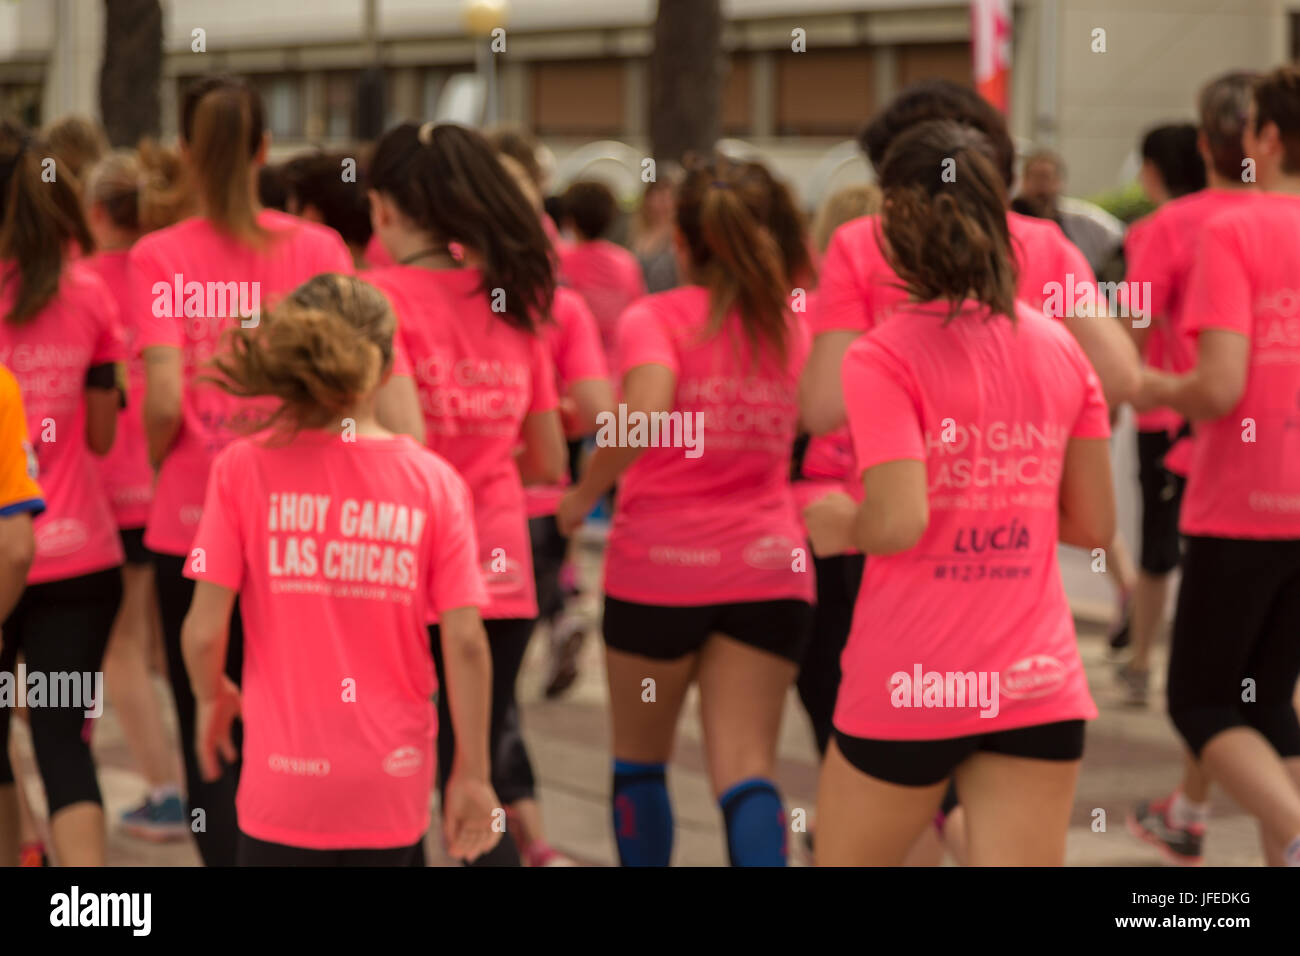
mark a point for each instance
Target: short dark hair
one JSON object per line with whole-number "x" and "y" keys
{"x": 591, "y": 207}
{"x": 1277, "y": 101}
{"x": 939, "y": 100}
{"x": 1223, "y": 104}
{"x": 318, "y": 181}
{"x": 1172, "y": 150}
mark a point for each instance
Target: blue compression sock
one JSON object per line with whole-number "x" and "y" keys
{"x": 755, "y": 823}
{"x": 643, "y": 814}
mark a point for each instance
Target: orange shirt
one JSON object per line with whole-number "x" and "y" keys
{"x": 18, "y": 488}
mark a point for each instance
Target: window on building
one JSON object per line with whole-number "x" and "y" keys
{"x": 578, "y": 98}
{"x": 282, "y": 95}
{"x": 340, "y": 104}
{"x": 829, "y": 94}
{"x": 738, "y": 96}
{"x": 935, "y": 61}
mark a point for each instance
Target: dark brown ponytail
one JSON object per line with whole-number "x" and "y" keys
{"x": 449, "y": 182}
{"x": 723, "y": 212}
{"x": 38, "y": 220}
{"x": 945, "y": 221}
{"x": 222, "y": 123}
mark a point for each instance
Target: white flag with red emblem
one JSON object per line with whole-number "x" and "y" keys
{"x": 991, "y": 49}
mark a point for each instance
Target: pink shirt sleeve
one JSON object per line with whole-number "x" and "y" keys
{"x": 1148, "y": 258}
{"x": 144, "y": 271}
{"x": 882, "y": 406}
{"x": 643, "y": 340}
{"x": 1094, "y": 416}
{"x": 579, "y": 353}
{"x": 217, "y": 555}
{"x": 454, "y": 576}
{"x": 841, "y": 301}
{"x": 1218, "y": 291}
{"x": 335, "y": 256}
{"x": 544, "y": 397}
{"x": 1075, "y": 263}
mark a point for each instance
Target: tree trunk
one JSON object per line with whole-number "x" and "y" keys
{"x": 132, "y": 70}
{"x": 686, "y": 78}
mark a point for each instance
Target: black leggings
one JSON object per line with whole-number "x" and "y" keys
{"x": 838, "y": 579}
{"x": 512, "y": 773}
{"x": 549, "y": 550}
{"x": 218, "y": 836}
{"x": 254, "y": 852}
{"x": 1238, "y": 619}
{"x": 62, "y": 628}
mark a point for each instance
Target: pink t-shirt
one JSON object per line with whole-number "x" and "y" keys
{"x": 1161, "y": 249}
{"x": 709, "y": 517}
{"x": 376, "y": 254}
{"x": 340, "y": 551}
{"x": 478, "y": 378}
{"x": 989, "y": 408}
{"x": 189, "y": 284}
{"x": 1244, "y": 480}
{"x": 859, "y": 290}
{"x": 828, "y": 459}
{"x": 125, "y": 471}
{"x": 609, "y": 278}
{"x": 49, "y": 355}
{"x": 578, "y": 356}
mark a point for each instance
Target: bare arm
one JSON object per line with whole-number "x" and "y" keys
{"x": 101, "y": 419}
{"x": 467, "y": 663}
{"x": 205, "y": 635}
{"x": 1212, "y": 389}
{"x": 821, "y": 393}
{"x": 896, "y": 508}
{"x": 397, "y": 406}
{"x": 1112, "y": 353}
{"x": 541, "y": 460}
{"x": 646, "y": 388}
{"x": 590, "y": 397}
{"x": 1087, "y": 516}
{"x": 163, "y": 388}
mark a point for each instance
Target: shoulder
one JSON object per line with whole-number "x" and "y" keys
{"x": 301, "y": 232}
{"x": 162, "y": 240}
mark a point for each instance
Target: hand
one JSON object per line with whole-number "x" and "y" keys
{"x": 573, "y": 510}
{"x": 469, "y": 808}
{"x": 213, "y": 720}
{"x": 829, "y": 521}
{"x": 1149, "y": 393}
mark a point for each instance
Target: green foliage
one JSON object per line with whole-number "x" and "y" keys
{"x": 1125, "y": 203}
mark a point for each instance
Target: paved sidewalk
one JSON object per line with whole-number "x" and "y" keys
{"x": 1130, "y": 754}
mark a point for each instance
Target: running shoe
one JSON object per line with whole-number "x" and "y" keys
{"x": 1149, "y": 822}
{"x": 1135, "y": 685}
{"x": 567, "y": 635}
{"x": 32, "y": 854}
{"x": 157, "y": 821}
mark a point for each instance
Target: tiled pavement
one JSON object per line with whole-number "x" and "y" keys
{"x": 1130, "y": 754}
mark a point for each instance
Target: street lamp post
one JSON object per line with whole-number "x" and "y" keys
{"x": 481, "y": 18}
